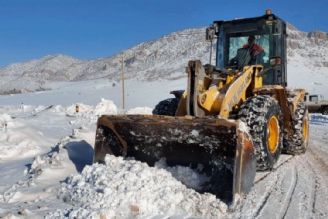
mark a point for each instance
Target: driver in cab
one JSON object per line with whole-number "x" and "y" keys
{"x": 250, "y": 54}
{"x": 256, "y": 51}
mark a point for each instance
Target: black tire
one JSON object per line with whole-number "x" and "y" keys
{"x": 324, "y": 111}
{"x": 166, "y": 107}
{"x": 258, "y": 113}
{"x": 298, "y": 142}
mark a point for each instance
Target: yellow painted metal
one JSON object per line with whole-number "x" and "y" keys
{"x": 305, "y": 128}
{"x": 273, "y": 131}
{"x": 258, "y": 81}
{"x": 224, "y": 96}
{"x": 209, "y": 100}
{"x": 230, "y": 78}
{"x": 182, "y": 106}
{"x": 236, "y": 92}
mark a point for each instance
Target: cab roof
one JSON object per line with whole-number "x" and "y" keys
{"x": 250, "y": 20}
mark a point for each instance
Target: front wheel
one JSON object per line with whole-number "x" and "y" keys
{"x": 166, "y": 107}
{"x": 263, "y": 117}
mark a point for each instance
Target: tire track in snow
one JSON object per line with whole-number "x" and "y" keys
{"x": 309, "y": 196}
{"x": 319, "y": 167}
{"x": 284, "y": 162}
{"x": 305, "y": 192}
{"x": 264, "y": 185}
{"x": 283, "y": 191}
{"x": 257, "y": 198}
{"x": 260, "y": 197}
{"x": 265, "y": 198}
{"x": 315, "y": 189}
{"x": 290, "y": 193}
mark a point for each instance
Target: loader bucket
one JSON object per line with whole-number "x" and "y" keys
{"x": 223, "y": 148}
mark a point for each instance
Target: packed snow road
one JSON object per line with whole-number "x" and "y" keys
{"x": 46, "y": 171}
{"x": 297, "y": 187}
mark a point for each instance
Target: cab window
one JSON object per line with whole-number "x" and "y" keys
{"x": 236, "y": 43}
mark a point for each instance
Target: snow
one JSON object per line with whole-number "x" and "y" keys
{"x": 16, "y": 140}
{"x": 140, "y": 110}
{"x": 47, "y": 171}
{"x": 105, "y": 107}
{"x": 91, "y": 93}
{"x": 189, "y": 177}
{"x": 134, "y": 190}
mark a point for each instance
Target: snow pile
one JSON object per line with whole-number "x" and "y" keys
{"x": 16, "y": 140}
{"x": 88, "y": 115}
{"x": 4, "y": 120}
{"x": 57, "y": 109}
{"x": 41, "y": 162}
{"x": 141, "y": 110}
{"x": 105, "y": 107}
{"x": 129, "y": 188}
{"x": 73, "y": 213}
{"x": 186, "y": 175}
{"x": 318, "y": 118}
{"x": 82, "y": 108}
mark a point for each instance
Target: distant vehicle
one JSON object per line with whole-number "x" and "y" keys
{"x": 316, "y": 103}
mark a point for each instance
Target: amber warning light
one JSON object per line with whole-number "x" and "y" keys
{"x": 268, "y": 11}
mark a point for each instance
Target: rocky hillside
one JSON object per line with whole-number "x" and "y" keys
{"x": 164, "y": 58}
{"x": 313, "y": 46}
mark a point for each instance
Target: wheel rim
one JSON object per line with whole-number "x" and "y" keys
{"x": 273, "y": 134}
{"x": 305, "y": 129}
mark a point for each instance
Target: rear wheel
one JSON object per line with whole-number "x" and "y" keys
{"x": 263, "y": 116}
{"x": 166, "y": 107}
{"x": 298, "y": 142}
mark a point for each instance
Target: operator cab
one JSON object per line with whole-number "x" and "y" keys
{"x": 233, "y": 49}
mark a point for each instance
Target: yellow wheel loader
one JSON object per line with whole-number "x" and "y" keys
{"x": 235, "y": 117}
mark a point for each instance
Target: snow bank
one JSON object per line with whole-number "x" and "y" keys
{"x": 140, "y": 110}
{"x": 318, "y": 118}
{"x": 41, "y": 162}
{"x": 4, "y": 120}
{"x": 16, "y": 139}
{"x": 82, "y": 108}
{"x": 129, "y": 188}
{"x": 105, "y": 107}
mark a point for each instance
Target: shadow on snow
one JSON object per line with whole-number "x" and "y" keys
{"x": 80, "y": 153}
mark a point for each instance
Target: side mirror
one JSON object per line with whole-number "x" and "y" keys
{"x": 275, "y": 61}
{"x": 210, "y": 33}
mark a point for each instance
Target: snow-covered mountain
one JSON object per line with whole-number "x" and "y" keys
{"x": 164, "y": 58}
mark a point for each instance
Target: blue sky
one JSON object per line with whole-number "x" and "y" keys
{"x": 89, "y": 29}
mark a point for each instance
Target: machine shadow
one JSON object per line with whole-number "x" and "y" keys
{"x": 80, "y": 153}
